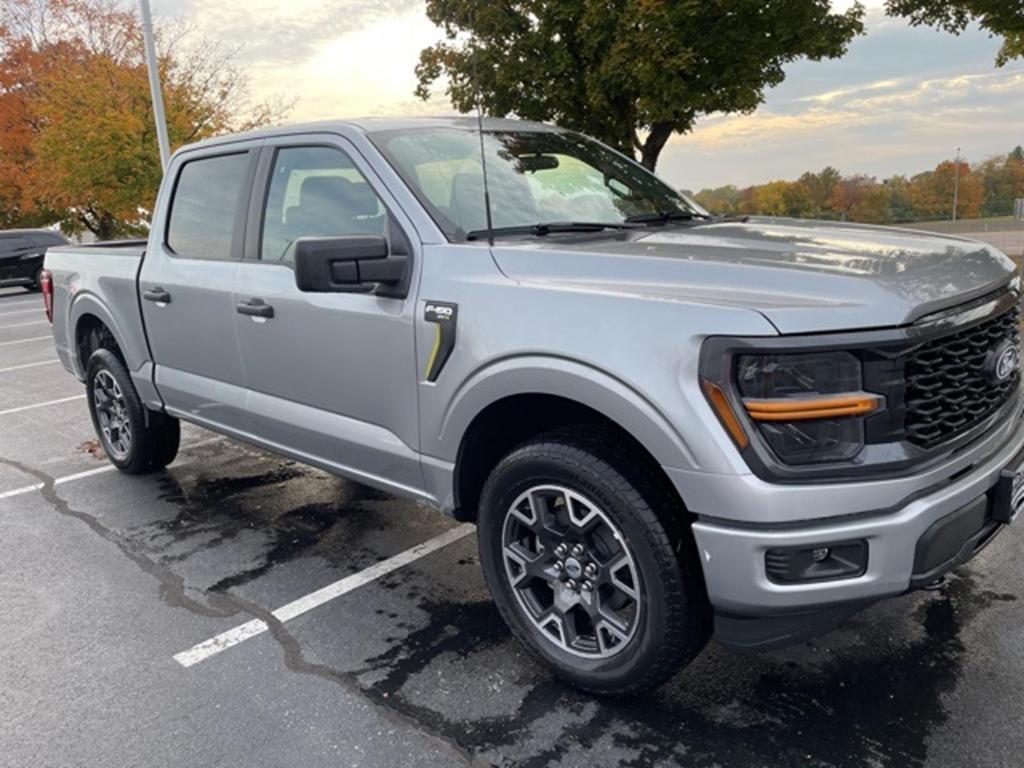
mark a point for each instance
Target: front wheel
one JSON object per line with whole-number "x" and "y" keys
{"x": 134, "y": 439}
{"x": 591, "y": 563}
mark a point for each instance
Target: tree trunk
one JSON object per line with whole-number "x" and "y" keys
{"x": 656, "y": 140}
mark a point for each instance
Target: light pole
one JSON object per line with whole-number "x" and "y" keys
{"x": 154, "y": 84}
{"x": 955, "y": 184}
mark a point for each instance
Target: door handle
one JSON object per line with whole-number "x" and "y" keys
{"x": 158, "y": 295}
{"x": 255, "y": 308}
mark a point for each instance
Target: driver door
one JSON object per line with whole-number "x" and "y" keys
{"x": 331, "y": 376}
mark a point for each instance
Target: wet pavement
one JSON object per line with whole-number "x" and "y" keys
{"x": 104, "y": 578}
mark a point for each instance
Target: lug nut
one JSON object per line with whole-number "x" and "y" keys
{"x": 590, "y": 570}
{"x": 587, "y": 586}
{"x": 571, "y": 583}
{"x": 560, "y": 550}
{"x": 577, "y": 550}
{"x": 557, "y": 566}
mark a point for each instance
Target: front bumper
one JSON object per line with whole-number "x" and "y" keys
{"x": 908, "y": 546}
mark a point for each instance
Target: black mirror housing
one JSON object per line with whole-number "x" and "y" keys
{"x": 354, "y": 264}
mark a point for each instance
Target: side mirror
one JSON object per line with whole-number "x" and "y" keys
{"x": 349, "y": 265}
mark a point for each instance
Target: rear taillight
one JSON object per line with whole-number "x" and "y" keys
{"x": 46, "y": 285}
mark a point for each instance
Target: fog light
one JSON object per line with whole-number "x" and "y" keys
{"x": 795, "y": 565}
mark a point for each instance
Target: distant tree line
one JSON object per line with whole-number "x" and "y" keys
{"x": 985, "y": 189}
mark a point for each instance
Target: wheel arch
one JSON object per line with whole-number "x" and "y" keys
{"x": 507, "y": 403}
{"x": 90, "y": 313}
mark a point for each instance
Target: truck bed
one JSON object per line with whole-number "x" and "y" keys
{"x": 98, "y": 279}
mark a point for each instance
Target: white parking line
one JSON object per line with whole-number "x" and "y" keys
{"x": 59, "y": 481}
{"x": 23, "y": 341}
{"x": 21, "y": 311}
{"x": 42, "y": 405}
{"x": 90, "y": 472}
{"x": 242, "y": 632}
{"x": 28, "y": 365}
{"x": 44, "y": 321}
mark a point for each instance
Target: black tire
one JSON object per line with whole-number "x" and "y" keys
{"x": 150, "y": 441}
{"x": 672, "y": 621}
{"x": 37, "y": 280}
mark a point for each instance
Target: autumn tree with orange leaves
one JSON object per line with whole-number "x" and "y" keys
{"x": 77, "y": 139}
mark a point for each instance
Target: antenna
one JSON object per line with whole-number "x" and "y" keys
{"x": 480, "y": 132}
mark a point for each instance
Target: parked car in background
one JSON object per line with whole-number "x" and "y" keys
{"x": 666, "y": 424}
{"x": 22, "y": 251}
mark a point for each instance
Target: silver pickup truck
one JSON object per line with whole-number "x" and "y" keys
{"x": 667, "y": 425}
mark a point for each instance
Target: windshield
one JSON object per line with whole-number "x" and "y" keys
{"x": 534, "y": 178}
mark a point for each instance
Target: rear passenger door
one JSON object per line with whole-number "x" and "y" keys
{"x": 331, "y": 376}
{"x": 186, "y": 284}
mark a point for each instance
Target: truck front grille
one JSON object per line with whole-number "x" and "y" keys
{"x": 948, "y": 390}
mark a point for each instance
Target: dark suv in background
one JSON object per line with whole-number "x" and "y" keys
{"x": 21, "y": 253}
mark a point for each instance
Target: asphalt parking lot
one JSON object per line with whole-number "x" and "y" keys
{"x": 367, "y": 637}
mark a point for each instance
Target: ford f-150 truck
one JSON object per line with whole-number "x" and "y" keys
{"x": 667, "y": 425}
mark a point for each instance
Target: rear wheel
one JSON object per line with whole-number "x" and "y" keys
{"x": 590, "y": 563}
{"x": 37, "y": 280}
{"x": 134, "y": 440}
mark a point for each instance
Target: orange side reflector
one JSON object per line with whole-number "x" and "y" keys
{"x": 803, "y": 409}
{"x": 720, "y": 403}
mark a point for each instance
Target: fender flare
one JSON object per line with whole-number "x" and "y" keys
{"x": 88, "y": 303}
{"x": 572, "y": 380}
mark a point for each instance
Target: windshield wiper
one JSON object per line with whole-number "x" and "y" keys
{"x": 539, "y": 230}
{"x": 662, "y": 217}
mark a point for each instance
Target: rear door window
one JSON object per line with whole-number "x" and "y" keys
{"x": 208, "y": 199}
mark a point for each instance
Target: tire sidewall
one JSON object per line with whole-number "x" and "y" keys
{"x": 137, "y": 459}
{"x": 540, "y": 465}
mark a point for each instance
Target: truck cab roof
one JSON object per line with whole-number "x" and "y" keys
{"x": 373, "y": 125}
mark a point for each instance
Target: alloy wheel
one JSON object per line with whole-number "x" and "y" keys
{"x": 573, "y": 575}
{"x": 112, "y": 414}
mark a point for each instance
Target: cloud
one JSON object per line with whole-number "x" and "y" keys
{"x": 902, "y": 100}
{"x": 269, "y": 31}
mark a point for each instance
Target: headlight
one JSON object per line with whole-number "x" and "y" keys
{"x": 808, "y": 407}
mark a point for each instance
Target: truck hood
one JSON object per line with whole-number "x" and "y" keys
{"x": 803, "y": 276}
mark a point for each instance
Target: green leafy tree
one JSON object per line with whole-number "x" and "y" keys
{"x": 1003, "y": 179}
{"x": 819, "y": 188}
{"x": 1003, "y": 18}
{"x": 723, "y": 200}
{"x": 901, "y": 207}
{"x": 630, "y": 72}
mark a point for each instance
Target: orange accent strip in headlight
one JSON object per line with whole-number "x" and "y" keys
{"x": 720, "y": 404}
{"x": 803, "y": 409}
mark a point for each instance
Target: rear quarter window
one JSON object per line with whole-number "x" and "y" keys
{"x": 207, "y": 202}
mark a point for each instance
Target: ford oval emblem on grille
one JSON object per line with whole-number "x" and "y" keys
{"x": 1002, "y": 361}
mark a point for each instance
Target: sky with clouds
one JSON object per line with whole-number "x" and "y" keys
{"x": 900, "y": 101}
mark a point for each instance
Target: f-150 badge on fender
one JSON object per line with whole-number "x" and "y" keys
{"x": 444, "y": 317}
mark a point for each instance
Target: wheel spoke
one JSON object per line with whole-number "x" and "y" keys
{"x": 609, "y": 636}
{"x": 622, "y": 577}
{"x": 552, "y": 621}
{"x": 529, "y": 564}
